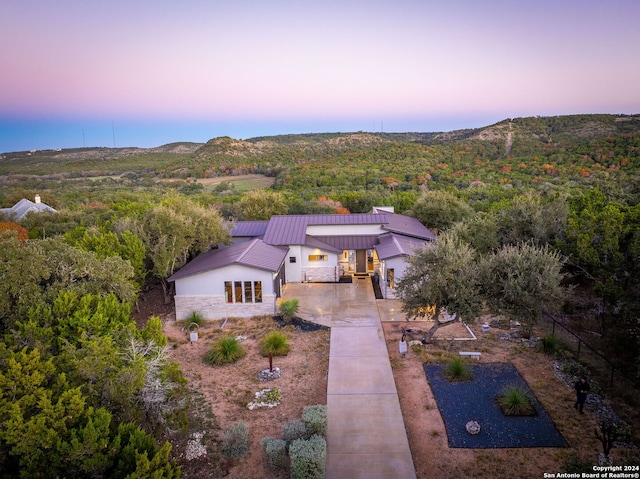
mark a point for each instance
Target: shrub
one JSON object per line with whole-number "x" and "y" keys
{"x": 457, "y": 370}
{"x": 516, "y": 401}
{"x": 271, "y": 395}
{"x": 194, "y": 317}
{"x": 225, "y": 350}
{"x": 575, "y": 370}
{"x": 235, "y": 440}
{"x": 275, "y": 343}
{"x": 293, "y": 430}
{"x": 315, "y": 419}
{"x": 276, "y": 450}
{"x": 308, "y": 458}
{"x": 289, "y": 309}
{"x": 551, "y": 344}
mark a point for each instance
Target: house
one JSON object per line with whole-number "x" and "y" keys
{"x": 246, "y": 278}
{"x": 25, "y": 206}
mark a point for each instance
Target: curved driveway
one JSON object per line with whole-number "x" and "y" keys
{"x": 366, "y": 437}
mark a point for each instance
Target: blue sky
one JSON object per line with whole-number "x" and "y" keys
{"x": 84, "y": 72}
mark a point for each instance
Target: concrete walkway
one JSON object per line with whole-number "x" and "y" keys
{"x": 366, "y": 437}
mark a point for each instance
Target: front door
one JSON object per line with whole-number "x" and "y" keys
{"x": 361, "y": 261}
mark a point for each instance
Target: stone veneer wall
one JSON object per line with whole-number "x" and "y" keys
{"x": 326, "y": 274}
{"x": 215, "y": 307}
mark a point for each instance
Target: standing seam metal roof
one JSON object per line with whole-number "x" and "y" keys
{"x": 290, "y": 230}
{"x": 392, "y": 245}
{"x": 254, "y": 253}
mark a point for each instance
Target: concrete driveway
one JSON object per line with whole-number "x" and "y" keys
{"x": 366, "y": 437}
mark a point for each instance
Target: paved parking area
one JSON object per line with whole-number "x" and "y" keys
{"x": 321, "y": 302}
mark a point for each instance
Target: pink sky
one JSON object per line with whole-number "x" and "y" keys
{"x": 316, "y": 63}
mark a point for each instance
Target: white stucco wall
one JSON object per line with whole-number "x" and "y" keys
{"x": 399, "y": 266}
{"x": 293, "y": 270}
{"x": 205, "y": 293}
{"x": 318, "y": 271}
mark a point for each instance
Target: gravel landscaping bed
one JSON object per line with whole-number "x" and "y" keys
{"x": 475, "y": 400}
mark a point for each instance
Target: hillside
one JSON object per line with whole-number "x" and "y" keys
{"x": 516, "y": 152}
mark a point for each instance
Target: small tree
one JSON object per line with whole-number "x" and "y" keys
{"x": 523, "y": 280}
{"x": 289, "y": 309}
{"x": 274, "y": 344}
{"x": 443, "y": 275}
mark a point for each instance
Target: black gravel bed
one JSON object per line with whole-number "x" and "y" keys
{"x": 460, "y": 402}
{"x": 301, "y": 324}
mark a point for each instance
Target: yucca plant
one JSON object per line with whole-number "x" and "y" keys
{"x": 225, "y": 350}
{"x": 194, "y": 317}
{"x": 273, "y": 344}
{"x": 457, "y": 370}
{"x": 551, "y": 344}
{"x": 515, "y": 401}
{"x": 289, "y": 309}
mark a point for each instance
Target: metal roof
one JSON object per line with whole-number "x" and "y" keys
{"x": 254, "y": 253}
{"x": 24, "y": 206}
{"x": 391, "y": 245}
{"x": 408, "y": 226}
{"x": 317, "y": 242}
{"x": 290, "y": 230}
{"x": 350, "y": 241}
{"x": 249, "y": 228}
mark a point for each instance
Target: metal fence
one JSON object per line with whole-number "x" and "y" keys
{"x": 609, "y": 376}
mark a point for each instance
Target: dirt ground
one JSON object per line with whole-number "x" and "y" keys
{"x": 222, "y": 393}
{"x": 225, "y": 390}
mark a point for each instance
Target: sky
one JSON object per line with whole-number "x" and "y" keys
{"x": 84, "y": 73}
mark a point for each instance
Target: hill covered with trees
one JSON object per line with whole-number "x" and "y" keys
{"x": 127, "y": 218}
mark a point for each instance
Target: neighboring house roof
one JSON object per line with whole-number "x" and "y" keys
{"x": 249, "y": 228}
{"x": 24, "y": 206}
{"x": 255, "y": 254}
{"x": 391, "y": 245}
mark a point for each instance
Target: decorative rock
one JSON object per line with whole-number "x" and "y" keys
{"x": 262, "y": 401}
{"x": 473, "y": 427}
{"x": 240, "y": 338}
{"x": 268, "y": 375}
{"x": 195, "y": 448}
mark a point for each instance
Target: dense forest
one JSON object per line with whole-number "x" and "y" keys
{"x": 85, "y": 392}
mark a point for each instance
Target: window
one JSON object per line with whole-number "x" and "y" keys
{"x": 228, "y": 292}
{"x": 243, "y": 291}
{"x": 257, "y": 286}
{"x": 318, "y": 257}
{"x": 292, "y": 259}
{"x": 238, "y": 291}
